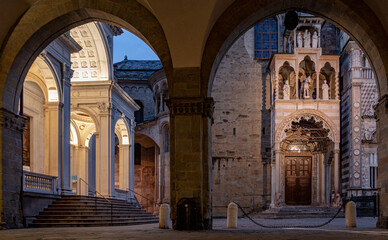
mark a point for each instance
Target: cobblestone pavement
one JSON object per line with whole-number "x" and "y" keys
{"x": 246, "y": 230}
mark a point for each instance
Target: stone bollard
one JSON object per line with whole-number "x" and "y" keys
{"x": 350, "y": 214}
{"x": 164, "y": 216}
{"x": 232, "y": 215}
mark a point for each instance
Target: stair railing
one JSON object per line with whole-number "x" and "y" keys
{"x": 95, "y": 198}
{"x": 148, "y": 200}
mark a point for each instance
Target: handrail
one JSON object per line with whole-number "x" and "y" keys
{"x": 143, "y": 196}
{"x": 92, "y": 189}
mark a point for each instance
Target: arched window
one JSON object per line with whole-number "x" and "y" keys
{"x": 139, "y": 114}
{"x": 266, "y": 38}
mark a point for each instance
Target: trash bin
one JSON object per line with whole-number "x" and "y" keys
{"x": 187, "y": 214}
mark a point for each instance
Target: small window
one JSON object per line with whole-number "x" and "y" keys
{"x": 139, "y": 114}
{"x": 137, "y": 154}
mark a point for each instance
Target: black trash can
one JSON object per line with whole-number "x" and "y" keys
{"x": 187, "y": 214}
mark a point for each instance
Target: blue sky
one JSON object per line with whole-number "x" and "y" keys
{"x": 132, "y": 46}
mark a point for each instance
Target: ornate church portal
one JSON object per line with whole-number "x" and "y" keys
{"x": 305, "y": 121}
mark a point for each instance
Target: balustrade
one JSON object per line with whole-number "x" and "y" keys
{"x": 39, "y": 183}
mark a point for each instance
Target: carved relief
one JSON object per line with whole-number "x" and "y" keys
{"x": 104, "y": 107}
{"x": 306, "y": 114}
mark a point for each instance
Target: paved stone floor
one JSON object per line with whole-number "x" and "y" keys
{"x": 246, "y": 230}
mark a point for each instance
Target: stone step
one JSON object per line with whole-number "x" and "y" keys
{"x": 94, "y": 219}
{"x": 71, "y": 216}
{"x": 95, "y": 224}
{"x": 79, "y": 211}
{"x": 87, "y": 212}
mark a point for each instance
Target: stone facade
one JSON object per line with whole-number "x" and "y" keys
{"x": 237, "y": 166}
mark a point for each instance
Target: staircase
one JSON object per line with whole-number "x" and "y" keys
{"x": 299, "y": 212}
{"x": 83, "y": 211}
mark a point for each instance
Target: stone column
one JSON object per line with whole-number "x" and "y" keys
{"x": 336, "y": 171}
{"x": 83, "y": 169}
{"x": 124, "y": 166}
{"x": 53, "y": 140}
{"x": 382, "y": 151}
{"x": 64, "y": 179}
{"x": 190, "y": 163}
{"x": 131, "y": 183}
{"x": 11, "y": 130}
{"x": 105, "y": 151}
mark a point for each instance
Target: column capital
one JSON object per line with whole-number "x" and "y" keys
{"x": 11, "y": 120}
{"x": 191, "y": 106}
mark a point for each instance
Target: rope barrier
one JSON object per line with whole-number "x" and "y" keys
{"x": 284, "y": 226}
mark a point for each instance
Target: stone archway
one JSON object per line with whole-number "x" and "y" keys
{"x": 356, "y": 22}
{"x": 29, "y": 38}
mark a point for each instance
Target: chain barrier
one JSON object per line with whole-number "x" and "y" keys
{"x": 284, "y": 226}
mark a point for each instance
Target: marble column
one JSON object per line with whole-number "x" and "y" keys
{"x": 105, "y": 152}
{"x": 53, "y": 142}
{"x": 124, "y": 166}
{"x": 131, "y": 183}
{"x": 83, "y": 169}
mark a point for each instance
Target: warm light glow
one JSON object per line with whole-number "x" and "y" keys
{"x": 73, "y": 135}
{"x": 52, "y": 95}
{"x": 125, "y": 140}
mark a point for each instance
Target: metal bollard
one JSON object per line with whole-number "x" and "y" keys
{"x": 232, "y": 215}
{"x": 164, "y": 216}
{"x": 350, "y": 214}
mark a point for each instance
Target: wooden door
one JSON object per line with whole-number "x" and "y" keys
{"x": 298, "y": 180}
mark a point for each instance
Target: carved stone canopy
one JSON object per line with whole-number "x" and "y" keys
{"x": 308, "y": 124}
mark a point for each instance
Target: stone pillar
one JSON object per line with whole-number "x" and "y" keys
{"x": 131, "y": 183}
{"x": 105, "y": 152}
{"x": 11, "y": 130}
{"x": 53, "y": 140}
{"x": 336, "y": 171}
{"x": 67, "y": 74}
{"x": 190, "y": 165}
{"x": 83, "y": 169}
{"x": 124, "y": 166}
{"x": 382, "y": 151}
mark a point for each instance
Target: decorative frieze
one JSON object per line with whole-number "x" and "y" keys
{"x": 191, "y": 106}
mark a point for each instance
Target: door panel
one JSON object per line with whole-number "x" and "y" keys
{"x": 298, "y": 180}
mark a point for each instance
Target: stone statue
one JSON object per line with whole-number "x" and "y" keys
{"x": 307, "y": 39}
{"x": 299, "y": 40}
{"x": 286, "y": 91}
{"x": 325, "y": 90}
{"x": 306, "y": 87}
{"x": 315, "y": 40}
